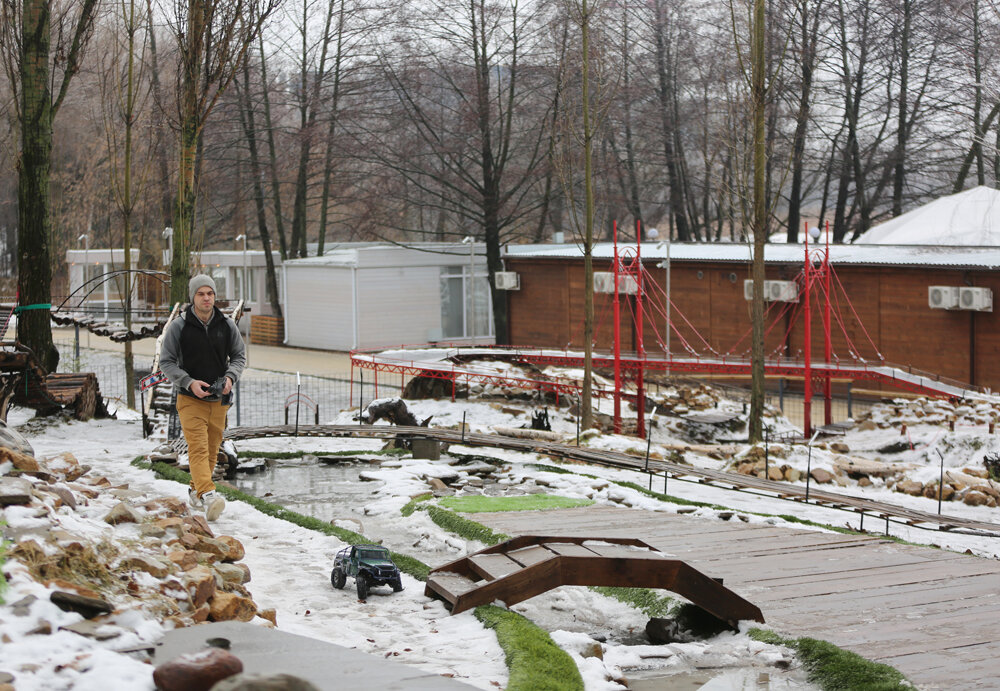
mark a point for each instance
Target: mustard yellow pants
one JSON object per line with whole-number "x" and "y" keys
{"x": 203, "y": 423}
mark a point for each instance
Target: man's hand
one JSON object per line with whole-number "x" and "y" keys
{"x": 199, "y": 388}
{"x": 228, "y": 387}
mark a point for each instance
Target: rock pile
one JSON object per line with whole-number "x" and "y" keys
{"x": 971, "y": 486}
{"x": 928, "y": 411}
{"x": 103, "y": 550}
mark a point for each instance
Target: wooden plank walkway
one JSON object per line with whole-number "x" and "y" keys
{"x": 933, "y": 615}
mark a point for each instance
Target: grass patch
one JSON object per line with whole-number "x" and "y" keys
{"x": 534, "y": 661}
{"x": 407, "y": 564}
{"x": 526, "y": 502}
{"x": 834, "y": 669}
{"x": 463, "y": 527}
{"x": 411, "y": 505}
{"x": 647, "y": 601}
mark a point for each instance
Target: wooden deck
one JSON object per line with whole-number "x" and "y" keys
{"x": 932, "y": 614}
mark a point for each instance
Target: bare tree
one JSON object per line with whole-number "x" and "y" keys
{"x": 213, "y": 37}
{"x": 34, "y": 69}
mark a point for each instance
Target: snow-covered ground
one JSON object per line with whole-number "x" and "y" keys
{"x": 414, "y": 629}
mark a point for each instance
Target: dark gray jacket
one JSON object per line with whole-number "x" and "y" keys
{"x": 172, "y": 360}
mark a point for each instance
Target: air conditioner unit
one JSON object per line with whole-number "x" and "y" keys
{"x": 942, "y": 297}
{"x": 507, "y": 280}
{"x": 604, "y": 282}
{"x": 781, "y": 291}
{"x": 978, "y": 299}
{"x": 774, "y": 291}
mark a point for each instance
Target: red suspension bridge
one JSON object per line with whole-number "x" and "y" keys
{"x": 817, "y": 287}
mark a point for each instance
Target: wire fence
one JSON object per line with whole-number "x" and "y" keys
{"x": 265, "y": 398}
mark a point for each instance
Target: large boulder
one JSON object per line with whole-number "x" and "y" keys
{"x": 197, "y": 671}
{"x": 11, "y": 439}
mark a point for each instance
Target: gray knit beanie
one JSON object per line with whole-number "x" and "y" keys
{"x": 200, "y": 281}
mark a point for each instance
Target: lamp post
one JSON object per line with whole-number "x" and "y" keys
{"x": 243, "y": 278}
{"x": 471, "y": 242}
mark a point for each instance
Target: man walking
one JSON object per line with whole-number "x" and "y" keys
{"x": 203, "y": 356}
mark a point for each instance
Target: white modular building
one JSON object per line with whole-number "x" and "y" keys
{"x": 372, "y": 295}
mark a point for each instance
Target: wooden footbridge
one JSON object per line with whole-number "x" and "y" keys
{"x": 529, "y": 565}
{"x": 656, "y": 469}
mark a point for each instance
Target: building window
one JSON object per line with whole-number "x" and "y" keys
{"x": 457, "y": 307}
{"x": 251, "y": 285}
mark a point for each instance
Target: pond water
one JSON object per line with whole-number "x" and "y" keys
{"x": 327, "y": 491}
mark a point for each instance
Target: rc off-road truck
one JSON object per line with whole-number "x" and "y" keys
{"x": 370, "y": 565}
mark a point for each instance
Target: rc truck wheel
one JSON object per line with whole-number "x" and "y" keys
{"x": 361, "y": 581}
{"x": 338, "y": 578}
{"x": 397, "y": 585}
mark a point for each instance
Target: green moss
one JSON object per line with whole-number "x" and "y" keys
{"x": 407, "y": 564}
{"x": 835, "y": 669}
{"x": 534, "y": 661}
{"x": 647, "y": 601}
{"x": 463, "y": 527}
{"x": 411, "y": 505}
{"x": 526, "y": 502}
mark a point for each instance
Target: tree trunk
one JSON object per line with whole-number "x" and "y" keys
{"x": 34, "y": 275}
{"x": 250, "y": 131}
{"x": 758, "y": 101}
{"x": 586, "y": 409}
{"x": 899, "y": 169}
{"x": 279, "y": 220}
{"x": 667, "y": 124}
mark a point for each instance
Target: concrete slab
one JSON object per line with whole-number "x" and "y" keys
{"x": 327, "y": 665}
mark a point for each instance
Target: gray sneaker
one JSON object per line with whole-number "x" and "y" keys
{"x": 194, "y": 500}
{"x": 214, "y": 504}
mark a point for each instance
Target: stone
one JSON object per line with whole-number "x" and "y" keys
{"x": 123, "y": 513}
{"x": 865, "y": 481}
{"x": 64, "y": 493}
{"x": 89, "y": 607}
{"x": 261, "y": 682}
{"x": 793, "y": 474}
{"x": 867, "y": 426}
{"x": 840, "y": 447}
{"x": 152, "y": 530}
{"x": 975, "y": 499}
{"x": 821, "y": 476}
{"x": 140, "y": 562}
{"x": 232, "y": 573}
{"x": 170, "y": 523}
{"x": 270, "y": 614}
{"x": 774, "y": 473}
{"x": 11, "y": 439}
{"x": 200, "y": 585}
{"x": 594, "y": 649}
{"x": 184, "y": 558}
{"x": 234, "y": 548}
{"x": 20, "y": 461}
{"x": 911, "y": 487}
{"x": 662, "y": 631}
{"x": 98, "y": 630}
{"x": 228, "y": 606}
{"x": 197, "y": 671}
{"x": 173, "y": 505}
{"x": 200, "y": 615}
{"x": 15, "y": 490}
{"x": 196, "y": 523}
{"x": 437, "y": 484}
{"x": 212, "y": 546}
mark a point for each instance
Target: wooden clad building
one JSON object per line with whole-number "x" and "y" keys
{"x": 883, "y": 307}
